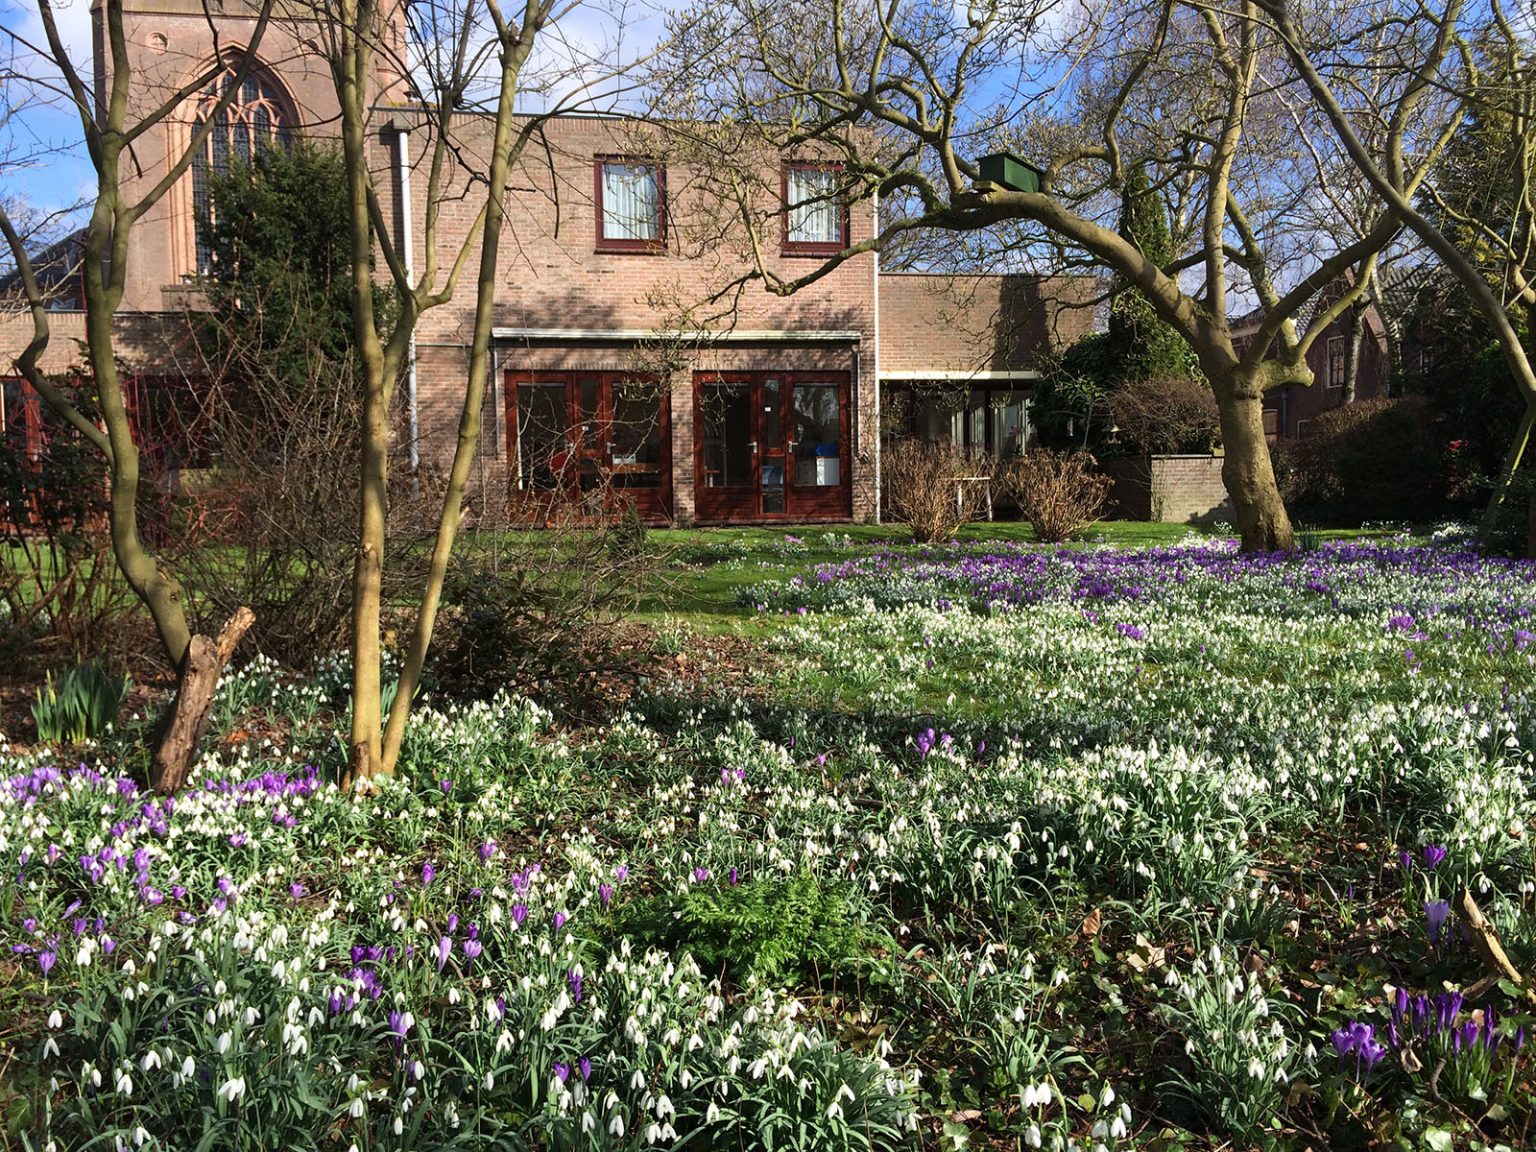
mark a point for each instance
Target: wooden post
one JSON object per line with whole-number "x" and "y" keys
{"x": 188, "y": 719}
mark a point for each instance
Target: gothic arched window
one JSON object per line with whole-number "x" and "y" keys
{"x": 256, "y": 117}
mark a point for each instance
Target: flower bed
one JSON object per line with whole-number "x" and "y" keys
{"x": 1172, "y": 841}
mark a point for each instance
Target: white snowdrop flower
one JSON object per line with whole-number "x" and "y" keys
{"x": 1117, "y": 1128}
{"x": 664, "y": 1107}
{"x": 225, "y": 1039}
{"x": 1106, "y": 1097}
{"x": 616, "y": 1126}
{"x": 399, "y": 1125}
{"x": 150, "y": 1062}
{"x": 188, "y": 1066}
{"x": 588, "y": 1121}
{"x": 55, "y": 1019}
{"x": 712, "y": 1113}
{"x": 637, "y": 1080}
{"x": 1032, "y": 1136}
{"x": 232, "y": 1090}
{"x": 453, "y": 995}
{"x": 356, "y": 1108}
{"x": 489, "y": 1081}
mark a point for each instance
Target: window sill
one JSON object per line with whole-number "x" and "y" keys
{"x": 611, "y": 249}
{"x": 815, "y": 251}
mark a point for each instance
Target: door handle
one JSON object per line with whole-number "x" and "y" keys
{"x": 752, "y": 444}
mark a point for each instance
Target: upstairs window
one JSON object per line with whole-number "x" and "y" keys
{"x": 254, "y": 118}
{"x": 815, "y": 217}
{"x": 630, "y": 208}
{"x": 1337, "y": 352}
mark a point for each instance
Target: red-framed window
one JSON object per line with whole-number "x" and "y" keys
{"x": 21, "y": 418}
{"x": 815, "y": 212}
{"x": 1336, "y": 354}
{"x": 630, "y": 203}
{"x": 170, "y": 423}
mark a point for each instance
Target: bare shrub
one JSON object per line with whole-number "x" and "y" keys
{"x": 1167, "y": 414}
{"x": 62, "y": 594}
{"x": 534, "y": 591}
{"x": 925, "y": 486}
{"x": 1058, "y": 492}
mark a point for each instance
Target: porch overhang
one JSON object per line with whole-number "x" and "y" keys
{"x": 918, "y": 376}
{"x": 527, "y": 336}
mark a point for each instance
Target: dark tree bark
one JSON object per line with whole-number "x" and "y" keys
{"x": 187, "y": 720}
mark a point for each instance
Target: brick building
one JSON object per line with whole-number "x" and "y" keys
{"x": 600, "y": 377}
{"x": 1289, "y": 408}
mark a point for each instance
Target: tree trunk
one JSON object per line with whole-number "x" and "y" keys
{"x": 1247, "y": 471}
{"x": 185, "y": 723}
{"x": 1352, "y": 351}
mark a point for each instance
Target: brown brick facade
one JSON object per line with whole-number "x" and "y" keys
{"x": 566, "y": 302}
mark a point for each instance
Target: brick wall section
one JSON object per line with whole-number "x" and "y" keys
{"x": 951, "y": 323}
{"x": 552, "y": 275}
{"x": 1171, "y": 489}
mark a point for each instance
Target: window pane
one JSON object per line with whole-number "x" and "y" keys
{"x": 544, "y": 458}
{"x": 636, "y": 434}
{"x": 818, "y": 436}
{"x": 815, "y": 215}
{"x": 631, "y": 202}
{"x": 728, "y": 459}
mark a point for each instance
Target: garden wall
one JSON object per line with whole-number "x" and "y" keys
{"x": 1171, "y": 489}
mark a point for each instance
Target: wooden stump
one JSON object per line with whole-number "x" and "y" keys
{"x": 188, "y": 718}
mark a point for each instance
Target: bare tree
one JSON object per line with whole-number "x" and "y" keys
{"x": 1456, "y": 36}
{"x": 906, "y": 97}
{"x": 473, "y": 59}
{"x": 125, "y": 117}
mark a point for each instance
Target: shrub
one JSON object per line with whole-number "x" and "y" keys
{"x": 80, "y": 707}
{"x": 1058, "y": 492}
{"x": 1371, "y": 460}
{"x": 1167, "y": 414}
{"x": 523, "y": 605}
{"x": 922, "y": 486}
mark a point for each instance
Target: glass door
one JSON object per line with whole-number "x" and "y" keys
{"x": 771, "y": 445}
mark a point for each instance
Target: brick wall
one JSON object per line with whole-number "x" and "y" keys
{"x": 950, "y": 323}
{"x": 1170, "y": 489}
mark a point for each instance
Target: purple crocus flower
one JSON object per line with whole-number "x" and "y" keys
{"x": 560, "y": 919}
{"x": 427, "y": 873}
{"x": 446, "y": 786}
{"x": 444, "y": 948}
{"x": 46, "y": 959}
{"x": 1433, "y": 854}
{"x": 585, "y": 1067}
{"x": 487, "y": 850}
{"x": 733, "y": 877}
{"x": 519, "y": 914}
{"x": 604, "y": 894}
{"x": 562, "y": 1071}
{"x": 573, "y": 978}
{"x": 472, "y": 949}
{"x": 1436, "y": 912}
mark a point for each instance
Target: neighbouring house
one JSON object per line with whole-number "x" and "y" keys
{"x": 1288, "y": 409}
{"x": 775, "y": 413}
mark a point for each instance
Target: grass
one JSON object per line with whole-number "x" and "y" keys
{"x": 716, "y": 564}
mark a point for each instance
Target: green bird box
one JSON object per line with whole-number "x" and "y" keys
{"x": 1012, "y": 173}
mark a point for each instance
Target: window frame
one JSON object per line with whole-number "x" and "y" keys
{"x": 620, "y": 246}
{"x": 1337, "y": 345}
{"x": 791, "y": 247}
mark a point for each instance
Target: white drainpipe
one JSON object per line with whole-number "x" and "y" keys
{"x": 403, "y": 156}
{"x": 875, "y": 371}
